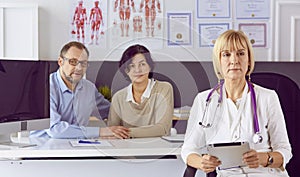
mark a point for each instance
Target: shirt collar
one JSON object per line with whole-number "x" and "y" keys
{"x": 146, "y": 93}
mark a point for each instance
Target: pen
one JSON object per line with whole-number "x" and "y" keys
{"x": 88, "y": 142}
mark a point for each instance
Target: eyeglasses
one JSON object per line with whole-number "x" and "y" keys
{"x": 75, "y": 62}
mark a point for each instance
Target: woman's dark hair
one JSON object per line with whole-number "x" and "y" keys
{"x": 131, "y": 52}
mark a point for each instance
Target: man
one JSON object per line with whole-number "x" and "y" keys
{"x": 73, "y": 99}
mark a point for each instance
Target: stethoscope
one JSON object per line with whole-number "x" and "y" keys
{"x": 257, "y": 137}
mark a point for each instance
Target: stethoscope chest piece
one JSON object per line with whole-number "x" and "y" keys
{"x": 257, "y": 138}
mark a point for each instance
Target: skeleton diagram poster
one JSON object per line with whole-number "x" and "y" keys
{"x": 136, "y": 21}
{"x": 89, "y": 22}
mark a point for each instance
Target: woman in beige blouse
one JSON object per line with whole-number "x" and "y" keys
{"x": 144, "y": 107}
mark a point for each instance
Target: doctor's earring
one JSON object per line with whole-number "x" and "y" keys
{"x": 219, "y": 80}
{"x": 249, "y": 78}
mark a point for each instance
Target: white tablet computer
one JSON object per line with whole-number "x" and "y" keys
{"x": 230, "y": 154}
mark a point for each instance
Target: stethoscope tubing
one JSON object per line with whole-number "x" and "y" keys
{"x": 253, "y": 103}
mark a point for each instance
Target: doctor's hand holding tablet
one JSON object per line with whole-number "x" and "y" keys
{"x": 237, "y": 127}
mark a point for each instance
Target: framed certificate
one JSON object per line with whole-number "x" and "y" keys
{"x": 209, "y": 32}
{"x": 253, "y": 9}
{"x": 179, "y": 28}
{"x": 213, "y": 9}
{"x": 256, "y": 32}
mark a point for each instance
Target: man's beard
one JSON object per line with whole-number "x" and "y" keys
{"x": 70, "y": 79}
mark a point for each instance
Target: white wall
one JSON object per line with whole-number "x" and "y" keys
{"x": 54, "y": 21}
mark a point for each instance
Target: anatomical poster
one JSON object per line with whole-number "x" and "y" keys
{"x": 136, "y": 21}
{"x": 88, "y": 22}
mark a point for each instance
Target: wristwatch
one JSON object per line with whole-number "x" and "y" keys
{"x": 270, "y": 159}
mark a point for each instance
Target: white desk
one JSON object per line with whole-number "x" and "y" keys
{"x": 132, "y": 157}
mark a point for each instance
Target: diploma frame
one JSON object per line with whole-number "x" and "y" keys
{"x": 253, "y": 9}
{"x": 211, "y": 13}
{"x": 176, "y": 32}
{"x": 257, "y": 38}
{"x": 208, "y": 42}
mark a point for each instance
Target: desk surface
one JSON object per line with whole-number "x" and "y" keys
{"x": 47, "y": 148}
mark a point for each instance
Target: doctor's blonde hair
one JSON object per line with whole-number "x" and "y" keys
{"x": 231, "y": 40}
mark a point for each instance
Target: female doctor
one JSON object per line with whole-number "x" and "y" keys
{"x": 237, "y": 110}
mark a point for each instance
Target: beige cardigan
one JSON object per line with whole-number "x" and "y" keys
{"x": 151, "y": 118}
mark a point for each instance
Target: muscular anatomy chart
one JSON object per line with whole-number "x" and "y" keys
{"x": 79, "y": 19}
{"x": 96, "y": 19}
{"x": 88, "y": 22}
{"x": 129, "y": 20}
{"x": 135, "y": 19}
{"x": 125, "y": 7}
{"x": 150, "y": 9}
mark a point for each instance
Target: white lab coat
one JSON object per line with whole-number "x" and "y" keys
{"x": 232, "y": 124}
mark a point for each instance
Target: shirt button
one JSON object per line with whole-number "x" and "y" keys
{"x": 235, "y": 136}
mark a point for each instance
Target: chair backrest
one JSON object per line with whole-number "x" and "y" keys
{"x": 191, "y": 172}
{"x": 187, "y": 79}
{"x": 289, "y": 95}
